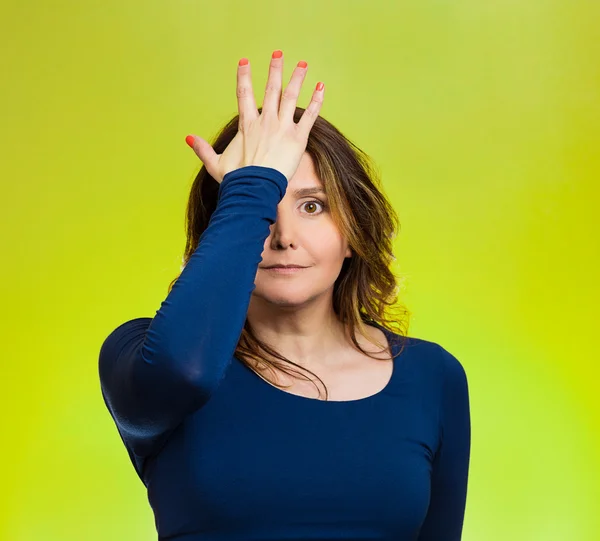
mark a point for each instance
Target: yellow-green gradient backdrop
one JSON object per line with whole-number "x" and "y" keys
{"x": 484, "y": 119}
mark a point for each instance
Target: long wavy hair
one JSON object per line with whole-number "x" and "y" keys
{"x": 366, "y": 289}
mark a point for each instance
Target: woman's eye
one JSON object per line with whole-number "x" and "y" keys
{"x": 311, "y": 204}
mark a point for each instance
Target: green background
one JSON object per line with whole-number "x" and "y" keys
{"x": 484, "y": 119}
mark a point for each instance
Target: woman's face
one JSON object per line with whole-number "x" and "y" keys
{"x": 303, "y": 234}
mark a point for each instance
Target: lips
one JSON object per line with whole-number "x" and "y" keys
{"x": 284, "y": 267}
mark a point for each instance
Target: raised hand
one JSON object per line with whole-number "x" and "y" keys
{"x": 270, "y": 138}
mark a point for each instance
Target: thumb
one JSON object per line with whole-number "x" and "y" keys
{"x": 205, "y": 152}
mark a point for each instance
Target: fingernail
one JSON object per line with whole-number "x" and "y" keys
{"x": 277, "y": 54}
{"x": 243, "y": 62}
{"x": 190, "y": 140}
{"x": 302, "y": 64}
{"x": 320, "y": 86}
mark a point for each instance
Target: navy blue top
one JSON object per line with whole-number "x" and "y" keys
{"x": 225, "y": 455}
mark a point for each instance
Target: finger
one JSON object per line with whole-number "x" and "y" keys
{"x": 205, "y": 152}
{"x": 311, "y": 113}
{"x": 273, "y": 89}
{"x": 245, "y": 94}
{"x": 289, "y": 98}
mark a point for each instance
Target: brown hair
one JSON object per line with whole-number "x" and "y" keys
{"x": 366, "y": 288}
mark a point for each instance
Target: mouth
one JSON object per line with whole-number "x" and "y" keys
{"x": 284, "y": 270}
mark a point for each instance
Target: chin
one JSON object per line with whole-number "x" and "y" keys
{"x": 284, "y": 299}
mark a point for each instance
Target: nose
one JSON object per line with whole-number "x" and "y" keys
{"x": 283, "y": 230}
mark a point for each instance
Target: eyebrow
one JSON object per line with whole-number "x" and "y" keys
{"x": 309, "y": 191}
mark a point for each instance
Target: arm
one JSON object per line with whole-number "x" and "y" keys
{"x": 444, "y": 520}
{"x": 154, "y": 372}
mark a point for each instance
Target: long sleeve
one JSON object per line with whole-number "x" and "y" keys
{"x": 449, "y": 478}
{"x": 155, "y": 372}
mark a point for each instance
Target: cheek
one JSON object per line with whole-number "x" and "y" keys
{"x": 328, "y": 246}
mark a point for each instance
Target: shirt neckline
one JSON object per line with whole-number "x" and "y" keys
{"x": 375, "y": 396}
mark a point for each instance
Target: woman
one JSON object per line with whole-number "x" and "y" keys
{"x": 273, "y": 404}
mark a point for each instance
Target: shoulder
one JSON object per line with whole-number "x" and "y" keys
{"x": 130, "y": 328}
{"x": 427, "y": 359}
{"x": 441, "y": 373}
{"x": 436, "y": 376}
{"x": 132, "y": 325}
{"x": 124, "y": 337}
